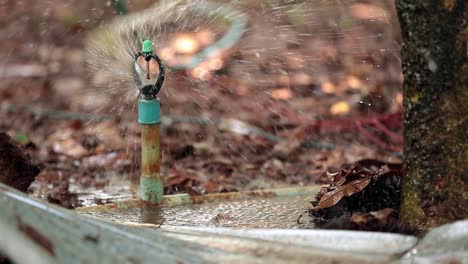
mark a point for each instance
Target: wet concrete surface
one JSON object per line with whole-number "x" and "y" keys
{"x": 275, "y": 212}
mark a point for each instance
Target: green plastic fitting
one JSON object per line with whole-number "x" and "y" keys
{"x": 147, "y": 46}
{"x": 149, "y": 111}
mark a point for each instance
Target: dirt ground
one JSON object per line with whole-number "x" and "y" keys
{"x": 325, "y": 95}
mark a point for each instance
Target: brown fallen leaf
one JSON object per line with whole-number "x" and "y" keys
{"x": 62, "y": 196}
{"x": 108, "y": 135}
{"x": 340, "y": 108}
{"x": 369, "y": 12}
{"x": 337, "y": 178}
{"x": 281, "y": 94}
{"x": 182, "y": 181}
{"x": 370, "y": 185}
{"x": 69, "y": 147}
{"x": 178, "y": 177}
{"x": 285, "y": 148}
{"x": 343, "y": 177}
{"x": 331, "y": 198}
{"x": 383, "y": 214}
{"x": 65, "y": 142}
{"x": 354, "y": 83}
{"x": 328, "y": 87}
{"x": 359, "y": 219}
{"x": 333, "y": 176}
{"x": 302, "y": 79}
{"x": 211, "y": 186}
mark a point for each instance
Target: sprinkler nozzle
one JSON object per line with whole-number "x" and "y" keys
{"x": 147, "y": 46}
{"x": 148, "y": 90}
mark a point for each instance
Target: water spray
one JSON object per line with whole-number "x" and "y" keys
{"x": 149, "y": 118}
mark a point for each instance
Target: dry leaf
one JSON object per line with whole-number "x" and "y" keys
{"x": 294, "y": 60}
{"x": 353, "y": 82}
{"x": 288, "y": 146}
{"x": 359, "y": 219}
{"x": 211, "y": 187}
{"x": 369, "y": 12}
{"x": 328, "y": 87}
{"x": 340, "y": 108}
{"x": 281, "y": 94}
{"x": 108, "y": 134}
{"x": 302, "y": 79}
{"x": 178, "y": 177}
{"x": 285, "y": 148}
{"x": 383, "y": 214}
{"x": 283, "y": 80}
{"x": 70, "y": 148}
{"x": 331, "y": 198}
{"x": 331, "y": 176}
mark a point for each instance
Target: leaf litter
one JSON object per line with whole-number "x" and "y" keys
{"x": 365, "y": 197}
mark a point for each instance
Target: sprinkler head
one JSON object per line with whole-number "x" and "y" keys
{"x": 147, "y": 47}
{"x": 148, "y": 85}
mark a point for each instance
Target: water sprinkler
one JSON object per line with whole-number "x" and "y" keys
{"x": 149, "y": 118}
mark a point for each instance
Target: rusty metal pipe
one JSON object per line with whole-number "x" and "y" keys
{"x": 151, "y": 182}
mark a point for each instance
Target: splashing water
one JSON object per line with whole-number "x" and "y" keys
{"x": 303, "y": 43}
{"x": 111, "y": 49}
{"x": 297, "y": 62}
{"x": 291, "y": 56}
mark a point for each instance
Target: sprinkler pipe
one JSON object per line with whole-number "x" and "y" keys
{"x": 149, "y": 118}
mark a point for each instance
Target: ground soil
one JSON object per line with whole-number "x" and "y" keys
{"x": 16, "y": 169}
{"x": 4, "y": 260}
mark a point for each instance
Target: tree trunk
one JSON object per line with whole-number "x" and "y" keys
{"x": 435, "y": 91}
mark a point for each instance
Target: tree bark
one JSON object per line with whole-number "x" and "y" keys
{"x": 435, "y": 91}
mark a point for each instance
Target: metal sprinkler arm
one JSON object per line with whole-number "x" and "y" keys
{"x": 150, "y": 91}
